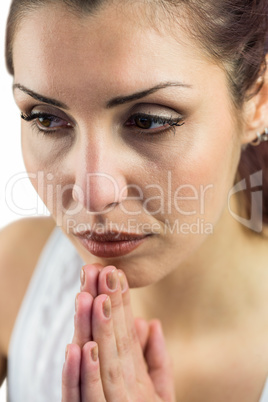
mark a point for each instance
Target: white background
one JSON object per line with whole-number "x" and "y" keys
{"x": 11, "y": 162}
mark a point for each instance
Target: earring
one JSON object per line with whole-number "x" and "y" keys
{"x": 260, "y": 138}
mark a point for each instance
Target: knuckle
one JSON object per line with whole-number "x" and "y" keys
{"x": 114, "y": 374}
{"x": 124, "y": 345}
{"x": 91, "y": 378}
{"x": 107, "y": 332}
{"x": 116, "y": 302}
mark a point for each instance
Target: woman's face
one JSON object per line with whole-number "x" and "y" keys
{"x": 139, "y": 192}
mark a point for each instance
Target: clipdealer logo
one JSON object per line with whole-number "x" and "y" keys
{"x": 255, "y": 221}
{"x": 198, "y": 226}
{"x": 153, "y": 199}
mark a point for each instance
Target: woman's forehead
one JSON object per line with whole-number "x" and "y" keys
{"x": 68, "y": 52}
{"x": 107, "y": 32}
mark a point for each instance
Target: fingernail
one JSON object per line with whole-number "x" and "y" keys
{"x": 76, "y": 301}
{"x": 111, "y": 280}
{"x": 106, "y": 307}
{"x": 94, "y": 353}
{"x": 66, "y": 352}
{"x": 123, "y": 282}
{"x": 82, "y": 276}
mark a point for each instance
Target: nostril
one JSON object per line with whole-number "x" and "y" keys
{"x": 78, "y": 194}
{"x": 112, "y": 205}
{"x": 101, "y": 208}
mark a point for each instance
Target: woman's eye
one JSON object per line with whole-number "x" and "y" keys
{"x": 50, "y": 122}
{"x": 46, "y": 122}
{"x": 151, "y": 122}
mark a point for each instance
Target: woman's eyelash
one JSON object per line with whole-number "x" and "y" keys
{"x": 46, "y": 117}
{"x": 171, "y": 121}
{"x": 30, "y": 117}
{"x": 40, "y": 115}
{"x": 140, "y": 122}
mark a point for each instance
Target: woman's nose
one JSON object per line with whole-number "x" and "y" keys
{"x": 100, "y": 178}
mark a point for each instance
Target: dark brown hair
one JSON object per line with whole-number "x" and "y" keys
{"x": 233, "y": 32}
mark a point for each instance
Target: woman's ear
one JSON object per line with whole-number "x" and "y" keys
{"x": 256, "y": 111}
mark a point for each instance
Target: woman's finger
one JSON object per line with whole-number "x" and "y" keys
{"x": 89, "y": 278}
{"x": 71, "y": 374}
{"x": 83, "y": 303}
{"x": 135, "y": 338}
{"x": 109, "y": 284}
{"x": 110, "y": 364}
{"x": 82, "y": 319}
{"x": 91, "y": 384}
{"x": 159, "y": 363}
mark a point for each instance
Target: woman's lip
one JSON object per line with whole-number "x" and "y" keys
{"x": 112, "y": 248}
{"x": 110, "y": 236}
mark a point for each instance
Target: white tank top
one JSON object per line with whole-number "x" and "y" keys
{"x": 264, "y": 397}
{"x": 44, "y": 325}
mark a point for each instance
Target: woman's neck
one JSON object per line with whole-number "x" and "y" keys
{"x": 217, "y": 288}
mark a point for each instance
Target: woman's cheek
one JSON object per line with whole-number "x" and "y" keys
{"x": 203, "y": 177}
{"x": 44, "y": 161}
{"x": 44, "y": 151}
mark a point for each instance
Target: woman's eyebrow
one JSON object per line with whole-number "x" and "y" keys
{"x": 124, "y": 99}
{"x": 39, "y": 97}
{"x": 120, "y": 100}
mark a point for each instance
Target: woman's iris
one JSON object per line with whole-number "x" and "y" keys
{"x": 143, "y": 122}
{"x": 44, "y": 121}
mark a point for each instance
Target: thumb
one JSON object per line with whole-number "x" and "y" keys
{"x": 159, "y": 363}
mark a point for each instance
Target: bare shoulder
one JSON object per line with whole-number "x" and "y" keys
{"x": 20, "y": 246}
{"x": 22, "y": 233}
